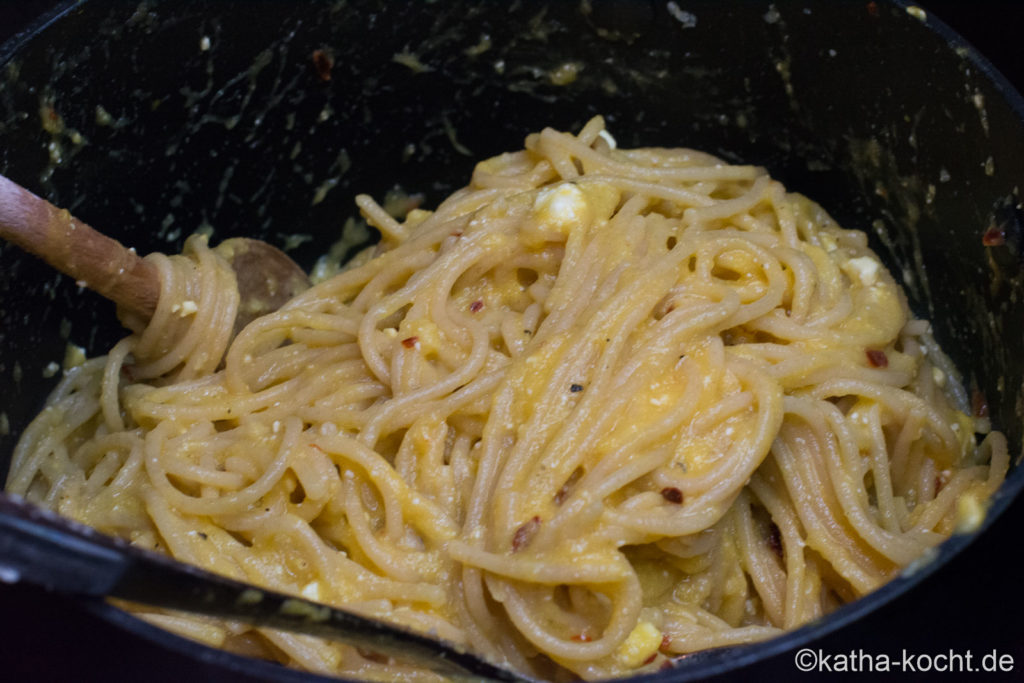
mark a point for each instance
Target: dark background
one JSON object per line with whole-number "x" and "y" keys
{"x": 975, "y": 603}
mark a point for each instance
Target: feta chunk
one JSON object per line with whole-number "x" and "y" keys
{"x": 311, "y": 591}
{"x": 185, "y": 308}
{"x": 642, "y": 642}
{"x": 562, "y": 206}
{"x": 863, "y": 269}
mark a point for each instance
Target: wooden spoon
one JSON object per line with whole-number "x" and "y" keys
{"x": 266, "y": 277}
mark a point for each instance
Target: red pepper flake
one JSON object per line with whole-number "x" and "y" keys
{"x": 650, "y": 659}
{"x": 323, "y": 62}
{"x": 667, "y": 665}
{"x": 373, "y": 656}
{"x": 456, "y": 233}
{"x": 410, "y": 342}
{"x": 476, "y": 306}
{"x": 525, "y": 534}
{"x": 775, "y": 539}
{"x": 994, "y": 237}
{"x": 672, "y": 495}
{"x": 979, "y": 406}
{"x": 128, "y": 372}
{"x": 873, "y": 8}
{"x": 877, "y": 359}
{"x": 939, "y": 483}
{"x": 666, "y": 642}
{"x": 563, "y": 492}
{"x": 582, "y": 637}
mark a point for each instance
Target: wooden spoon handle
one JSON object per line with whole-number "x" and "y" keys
{"x": 100, "y": 263}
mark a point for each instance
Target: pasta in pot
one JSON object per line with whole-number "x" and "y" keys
{"x": 601, "y": 408}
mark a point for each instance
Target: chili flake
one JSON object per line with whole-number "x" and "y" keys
{"x": 979, "y": 406}
{"x": 994, "y": 237}
{"x": 525, "y": 534}
{"x": 563, "y": 492}
{"x": 877, "y": 359}
{"x": 323, "y": 62}
{"x": 672, "y": 495}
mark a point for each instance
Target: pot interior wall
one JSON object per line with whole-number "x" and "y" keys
{"x": 151, "y": 121}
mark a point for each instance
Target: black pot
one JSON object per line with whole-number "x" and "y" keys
{"x": 265, "y": 118}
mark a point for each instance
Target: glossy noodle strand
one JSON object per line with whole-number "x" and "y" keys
{"x": 601, "y": 408}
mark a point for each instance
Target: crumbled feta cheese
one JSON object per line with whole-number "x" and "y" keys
{"x": 917, "y": 12}
{"x": 643, "y": 641}
{"x": 970, "y": 513}
{"x": 862, "y": 268}
{"x": 185, "y": 308}
{"x": 562, "y": 206}
{"x": 311, "y": 591}
{"x": 74, "y": 356}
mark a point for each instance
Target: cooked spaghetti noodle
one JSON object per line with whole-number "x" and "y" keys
{"x": 601, "y": 408}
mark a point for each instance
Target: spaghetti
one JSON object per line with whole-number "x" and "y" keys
{"x": 601, "y": 408}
